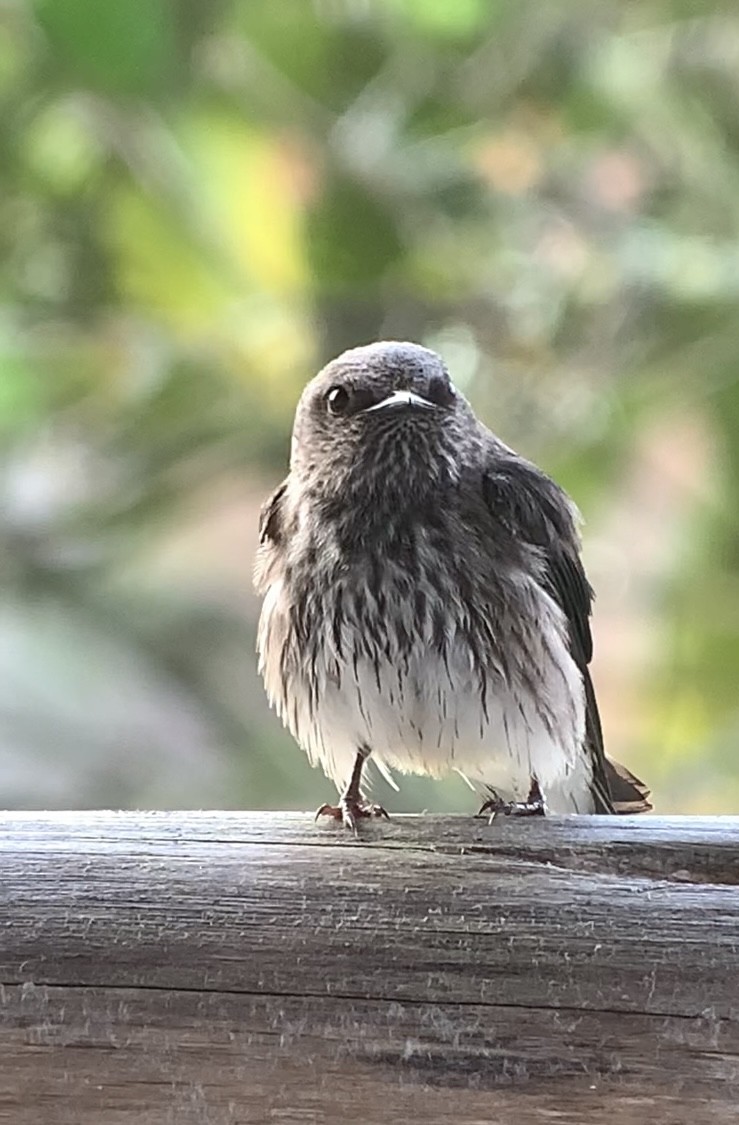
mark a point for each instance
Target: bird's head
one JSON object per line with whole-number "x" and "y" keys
{"x": 383, "y": 413}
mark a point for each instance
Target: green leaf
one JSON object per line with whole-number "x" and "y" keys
{"x": 352, "y": 238}
{"x": 120, "y": 46}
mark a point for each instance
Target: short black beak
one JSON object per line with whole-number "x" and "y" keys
{"x": 401, "y": 398}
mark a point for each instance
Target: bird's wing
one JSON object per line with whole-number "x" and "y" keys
{"x": 536, "y": 511}
{"x": 270, "y": 516}
{"x": 272, "y": 532}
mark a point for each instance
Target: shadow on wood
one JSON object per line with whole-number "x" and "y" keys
{"x": 232, "y": 969}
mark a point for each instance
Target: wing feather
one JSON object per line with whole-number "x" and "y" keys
{"x": 535, "y": 510}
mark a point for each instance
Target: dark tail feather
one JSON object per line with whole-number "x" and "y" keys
{"x": 602, "y": 802}
{"x": 615, "y": 789}
{"x": 628, "y": 793}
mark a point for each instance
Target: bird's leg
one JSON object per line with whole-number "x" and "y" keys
{"x": 352, "y": 806}
{"x": 495, "y": 806}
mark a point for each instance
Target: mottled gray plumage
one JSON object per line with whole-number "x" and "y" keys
{"x": 424, "y": 598}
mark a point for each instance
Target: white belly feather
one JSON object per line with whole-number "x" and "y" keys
{"x": 430, "y": 715}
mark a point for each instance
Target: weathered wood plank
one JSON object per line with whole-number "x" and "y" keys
{"x": 248, "y": 968}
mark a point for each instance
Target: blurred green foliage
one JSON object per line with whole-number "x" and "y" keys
{"x": 201, "y": 203}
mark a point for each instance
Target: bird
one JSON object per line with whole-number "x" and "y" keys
{"x": 424, "y": 601}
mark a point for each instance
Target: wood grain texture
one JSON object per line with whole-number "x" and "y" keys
{"x": 241, "y": 969}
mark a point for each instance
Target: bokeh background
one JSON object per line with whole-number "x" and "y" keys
{"x": 200, "y": 203}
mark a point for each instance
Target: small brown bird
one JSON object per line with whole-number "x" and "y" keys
{"x": 424, "y": 598}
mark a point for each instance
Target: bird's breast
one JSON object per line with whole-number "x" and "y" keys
{"x": 424, "y": 668}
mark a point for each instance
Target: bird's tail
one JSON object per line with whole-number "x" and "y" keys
{"x": 628, "y": 793}
{"x": 615, "y": 789}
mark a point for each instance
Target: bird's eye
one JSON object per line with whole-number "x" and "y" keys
{"x": 337, "y": 400}
{"x": 442, "y": 392}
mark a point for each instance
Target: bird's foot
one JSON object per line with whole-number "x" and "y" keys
{"x": 495, "y": 807}
{"x": 350, "y": 810}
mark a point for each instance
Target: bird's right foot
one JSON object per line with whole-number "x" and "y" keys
{"x": 350, "y": 810}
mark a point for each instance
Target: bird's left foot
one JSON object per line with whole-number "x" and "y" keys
{"x": 350, "y": 811}
{"x": 496, "y": 807}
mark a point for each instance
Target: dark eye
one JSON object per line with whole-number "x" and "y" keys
{"x": 337, "y": 400}
{"x": 442, "y": 392}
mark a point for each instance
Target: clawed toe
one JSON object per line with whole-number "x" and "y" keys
{"x": 494, "y": 808}
{"x": 350, "y": 812}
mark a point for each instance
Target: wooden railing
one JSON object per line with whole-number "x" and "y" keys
{"x": 230, "y": 969}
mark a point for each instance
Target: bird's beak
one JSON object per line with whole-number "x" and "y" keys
{"x": 401, "y": 398}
